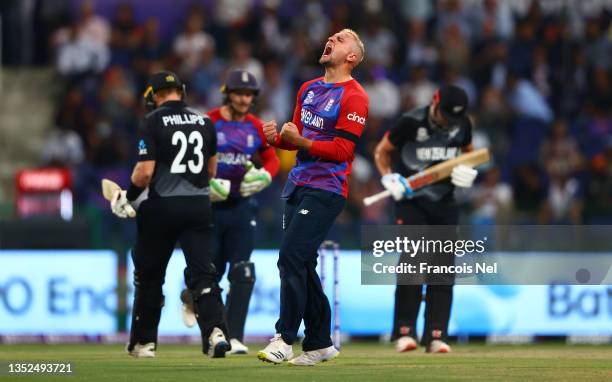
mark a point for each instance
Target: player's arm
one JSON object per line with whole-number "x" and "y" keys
{"x": 395, "y": 183}
{"x": 382, "y": 155}
{"x": 464, "y": 176}
{"x": 348, "y": 132}
{"x": 145, "y": 167}
{"x": 212, "y": 166}
{"x": 143, "y": 173}
{"x": 123, "y": 202}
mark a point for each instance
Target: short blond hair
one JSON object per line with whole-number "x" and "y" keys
{"x": 357, "y": 41}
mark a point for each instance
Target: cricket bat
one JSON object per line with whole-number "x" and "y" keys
{"x": 436, "y": 173}
{"x": 108, "y": 189}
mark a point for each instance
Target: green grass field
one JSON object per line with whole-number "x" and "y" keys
{"x": 357, "y": 362}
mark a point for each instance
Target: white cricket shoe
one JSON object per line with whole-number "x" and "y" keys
{"x": 237, "y": 347}
{"x": 312, "y": 357}
{"x": 142, "y": 351}
{"x": 438, "y": 346}
{"x": 405, "y": 344}
{"x": 277, "y": 351}
{"x": 217, "y": 344}
{"x": 187, "y": 313}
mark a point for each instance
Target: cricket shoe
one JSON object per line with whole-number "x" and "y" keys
{"x": 217, "y": 344}
{"x": 142, "y": 351}
{"x": 312, "y": 357}
{"x": 187, "y": 313}
{"x": 237, "y": 347}
{"x": 277, "y": 351}
{"x": 405, "y": 344}
{"x": 438, "y": 346}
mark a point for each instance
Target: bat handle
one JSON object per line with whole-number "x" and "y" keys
{"x": 376, "y": 197}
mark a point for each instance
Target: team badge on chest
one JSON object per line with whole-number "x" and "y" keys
{"x": 221, "y": 140}
{"x": 250, "y": 140}
{"x": 422, "y": 134}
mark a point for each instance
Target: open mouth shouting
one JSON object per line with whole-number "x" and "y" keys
{"x": 328, "y": 50}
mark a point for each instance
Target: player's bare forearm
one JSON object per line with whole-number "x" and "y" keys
{"x": 143, "y": 173}
{"x": 212, "y": 167}
{"x": 382, "y": 156}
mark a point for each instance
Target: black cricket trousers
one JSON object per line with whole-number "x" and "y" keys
{"x": 162, "y": 222}
{"x": 438, "y": 298}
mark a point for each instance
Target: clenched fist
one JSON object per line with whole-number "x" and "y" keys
{"x": 269, "y": 129}
{"x": 290, "y": 133}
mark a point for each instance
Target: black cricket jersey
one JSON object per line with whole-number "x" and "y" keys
{"x": 181, "y": 140}
{"x": 421, "y": 144}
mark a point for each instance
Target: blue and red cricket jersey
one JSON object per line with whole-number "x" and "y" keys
{"x": 333, "y": 116}
{"x": 237, "y": 142}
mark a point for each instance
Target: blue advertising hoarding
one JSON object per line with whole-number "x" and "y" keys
{"x": 58, "y": 292}
{"x": 74, "y": 292}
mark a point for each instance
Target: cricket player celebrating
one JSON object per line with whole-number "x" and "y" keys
{"x": 177, "y": 151}
{"x": 239, "y": 137}
{"x": 329, "y": 117}
{"x": 424, "y": 137}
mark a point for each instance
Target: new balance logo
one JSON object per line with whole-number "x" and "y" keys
{"x": 303, "y": 212}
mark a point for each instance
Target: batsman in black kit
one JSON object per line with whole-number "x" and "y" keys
{"x": 419, "y": 139}
{"x": 177, "y": 148}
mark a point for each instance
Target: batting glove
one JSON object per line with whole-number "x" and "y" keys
{"x": 463, "y": 176}
{"x": 219, "y": 189}
{"x": 397, "y": 186}
{"x": 121, "y": 206}
{"x": 255, "y": 180}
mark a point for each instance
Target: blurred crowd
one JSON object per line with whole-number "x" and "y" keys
{"x": 538, "y": 80}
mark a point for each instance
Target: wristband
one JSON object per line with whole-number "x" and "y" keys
{"x": 133, "y": 192}
{"x": 278, "y": 140}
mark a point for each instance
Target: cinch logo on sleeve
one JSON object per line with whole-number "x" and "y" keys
{"x": 355, "y": 117}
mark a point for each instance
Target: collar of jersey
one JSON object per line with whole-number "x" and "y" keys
{"x": 332, "y": 84}
{"x": 173, "y": 103}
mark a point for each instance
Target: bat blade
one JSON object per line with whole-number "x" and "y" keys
{"x": 108, "y": 188}
{"x": 443, "y": 170}
{"x": 436, "y": 173}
